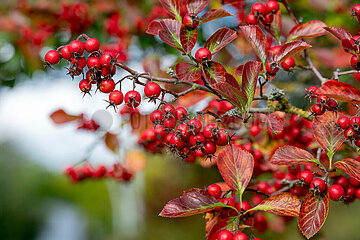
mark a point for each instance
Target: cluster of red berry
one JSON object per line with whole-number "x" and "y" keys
{"x": 355, "y": 46}
{"x": 356, "y": 11}
{"x": 118, "y": 172}
{"x": 322, "y": 104}
{"x": 263, "y": 13}
{"x": 345, "y": 189}
{"x": 351, "y": 127}
{"x": 185, "y": 137}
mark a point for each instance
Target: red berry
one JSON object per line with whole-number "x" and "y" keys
{"x": 175, "y": 141}
{"x": 116, "y": 97}
{"x": 92, "y": 45}
{"x": 202, "y": 54}
{"x": 169, "y": 109}
{"x": 196, "y": 140}
{"x": 240, "y": 236}
{"x": 169, "y": 122}
{"x": 209, "y": 147}
{"x": 225, "y": 235}
{"x": 93, "y": 62}
{"x": 79, "y": 62}
{"x": 254, "y": 130}
{"x": 214, "y": 190}
{"x": 275, "y": 49}
{"x": 152, "y": 90}
{"x": 106, "y": 60}
{"x": 336, "y": 191}
{"x": 195, "y": 125}
{"x": 268, "y": 19}
{"x": 76, "y": 47}
{"x": 318, "y": 109}
{"x": 357, "y": 193}
{"x": 355, "y": 121}
{"x": 349, "y": 133}
{"x": 353, "y": 182}
{"x": 306, "y": 176}
{"x": 210, "y": 131}
{"x": 331, "y": 104}
{"x": 108, "y": 72}
{"x": 84, "y": 86}
{"x": 251, "y": 19}
{"x": 343, "y": 181}
{"x": 229, "y": 201}
{"x": 156, "y": 116}
{"x": 272, "y": 67}
{"x": 107, "y": 86}
{"x": 52, "y": 57}
{"x": 258, "y": 9}
{"x": 180, "y": 113}
{"x": 272, "y": 6}
{"x": 132, "y": 99}
{"x": 65, "y": 53}
{"x": 190, "y": 20}
{"x": 355, "y": 63}
{"x": 183, "y": 130}
{"x": 311, "y": 92}
{"x": 356, "y": 10}
{"x": 318, "y": 185}
{"x": 357, "y": 142}
{"x": 222, "y": 138}
{"x": 288, "y": 64}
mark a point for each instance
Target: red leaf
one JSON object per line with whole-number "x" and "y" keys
{"x": 112, "y": 142}
{"x": 188, "y": 38}
{"x": 60, "y": 117}
{"x": 197, "y": 6}
{"x": 239, "y": 70}
{"x": 283, "y": 204}
{"x": 313, "y": 213}
{"x": 289, "y": 49}
{"x": 310, "y": 29}
{"x": 257, "y": 40}
{"x": 173, "y": 7}
{"x": 220, "y": 39}
{"x": 236, "y": 167}
{"x": 214, "y": 72}
{"x": 350, "y": 166}
{"x": 170, "y": 33}
{"x": 187, "y": 72}
{"x": 271, "y": 121}
{"x": 290, "y": 155}
{"x": 339, "y": 32}
{"x": 232, "y": 81}
{"x": 327, "y": 133}
{"x": 213, "y": 14}
{"x": 233, "y": 95}
{"x": 154, "y": 28}
{"x": 193, "y": 201}
{"x": 340, "y": 91}
{"x": 249, "y": 78}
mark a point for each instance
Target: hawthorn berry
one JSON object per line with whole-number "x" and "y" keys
{"x": 93, "y": 62}
{"x": 107, "y": 59}
{"x": 258, "y": 9}
{"x": 168, "y": 110}
{"x": 107, "y": 86}
{"x": 84, "y": 86}
{"x": 214, "y": 190}
{"x": 268, "y": 19}
{"x": 318, "y": 109}
{"x": 202, "y": 54}
{"x": 108, "y": 72}
{"x": 116, "y": 97}
{"x": 275, "y": 49}
{"x": 180, "y": 113}
{"x": 209, "y": 147}
{"x": 355, "y": 122}
{"x": 356, "y": 10}
{"x": 240, "y": 236}
{"x": 272, "y": 6}
{"x": 349, "y": 133}
{"x": 353, "y": 182}
{"x": 65, "y": 53}
{"x": 190, "y": 20}
{"x": 222, "y": 138}
{"x": 79, "y": 62}
{"x": 92, "y": 45}
{"x": 210, "y": 131}
{"x": 343, "y": 122}
{"x": 306, "y": 176}
{"x": 225, "y": 235}
{"x": 197, "y": 139}
{"x": 288, "y": 64}
{"x": 183, "y": 131}
{"x": 76, "y": 47}
{"x": 132, "y": 99}
{"x": 251, "y": 19}
{"x": 156, "y": 116}
{"x": 336, "y": 191}
{"x": 331, "y": 105}
{"x": 311, "y": 92}
{"x": 152, "y": 90}
{"x": 195, "y": 125}
{"x": 355, "y": 63}
{"x": 254, "y": 130}
{"x": 318, "y": 185}
{"x": 272, "y": 67}
{"x": 357, "y": 193}
{"x": 52, "y": 57}
{"x": 343, "y": 181}
{"x": 169, "y": 122}
{"x": 176, "y": 142}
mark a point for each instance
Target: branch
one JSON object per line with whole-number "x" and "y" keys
{"x": 313, "y": 68}
{"x": 336, "y": 73}
{"x": 288, "y": 9}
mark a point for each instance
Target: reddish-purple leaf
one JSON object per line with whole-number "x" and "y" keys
{"x": 249, "y": 79}
{"x": 340, "y": 91}
{"x": 290, "y": 155}
{"x": 173, "y": 7}
{"x": 271, "y": 121}
{"x": 112, "y": 142}
{"x": 310, "y": 29}
{"x": 257, "y": 40}
{"x": 193, "y": 201}
{"x": 187, "y": 72}
{"x": 239, "y": 70}
{"x": 313, "y": 213}
{"x": 232, "y": 81}
{"x": 350, "y": 166}
{"x": 289, "y": 49}
{"x": 214, "y": 72}
{"x": 220, "y": 39}
{"x": 233, "y": 95}
{"x": 340, "y": 33}
{"x": 60, "y": 117}
{"x": 154, "y": 28}
{"x": 327, "y": 133}
{"x": 213, "y": 14}
{"x": 283, "y": 204}
{"x": 188, "y": 38}
{"x": 197, "y": 6}
{"x": 170, "y": 33}
{"x": 236, "y": 167}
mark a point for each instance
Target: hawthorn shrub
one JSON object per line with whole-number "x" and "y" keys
{"x": 274, "y": 158}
